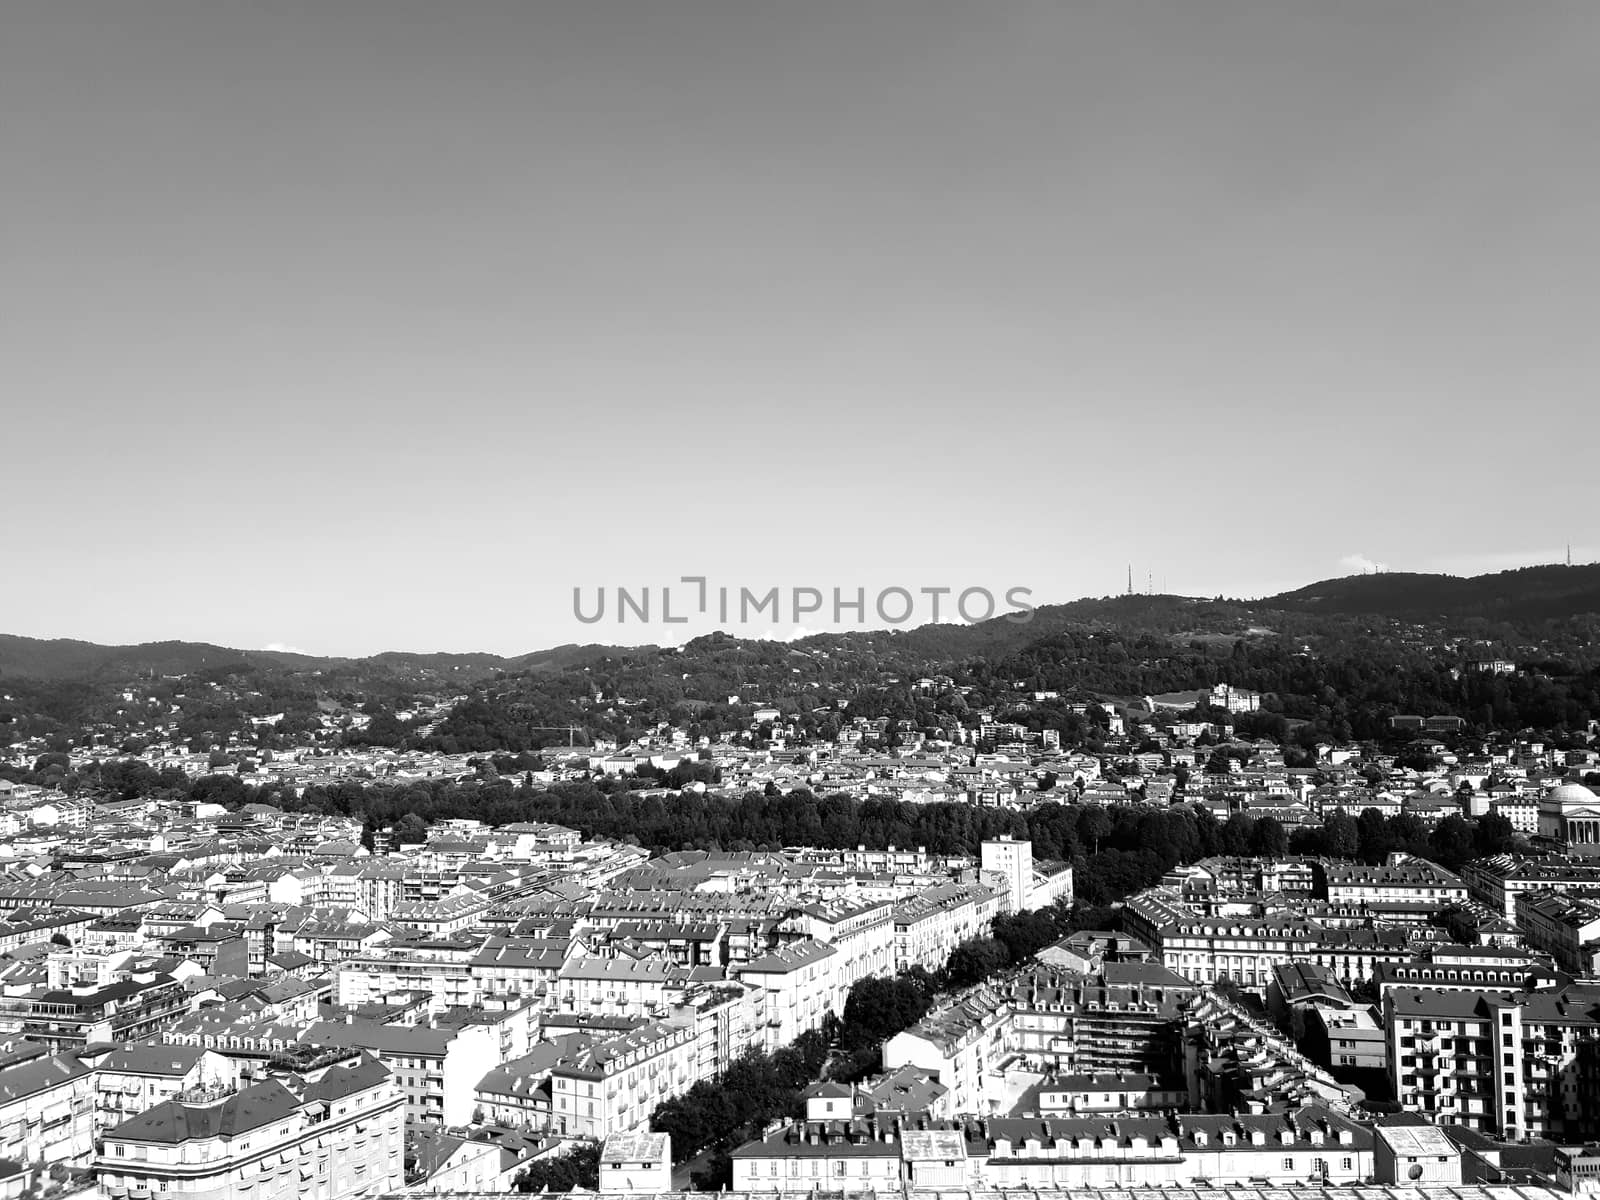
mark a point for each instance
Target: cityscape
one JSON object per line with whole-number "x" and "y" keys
{"x": 830, "y": 600}
{"x": 893, "y": 916}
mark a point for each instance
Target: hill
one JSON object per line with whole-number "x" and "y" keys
{"x": 1529, "y": 594}
{"x": 67, "y": 660}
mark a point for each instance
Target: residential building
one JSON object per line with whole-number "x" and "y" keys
{"x": 1514, "y": 1065}
{"x": 613, "y": 1086}
{"x": 330, "y": 1132}
{"x": 47, "y": 1110}
{"x": 133, "y": 1079}
{"x": 437, "y": 1070}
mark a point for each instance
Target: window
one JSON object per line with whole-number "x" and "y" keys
{"x": 1288, "y": 1163}
{"x": 1345, "y": 1164}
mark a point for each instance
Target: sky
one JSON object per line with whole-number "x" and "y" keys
{"x": 351, "y": 325}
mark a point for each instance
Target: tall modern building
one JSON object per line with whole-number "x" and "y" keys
{"x": 1014, "y": 860}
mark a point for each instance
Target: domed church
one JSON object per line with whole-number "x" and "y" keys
{"x": 1569, "y": 818}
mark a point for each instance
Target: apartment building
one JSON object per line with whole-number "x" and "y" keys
{"x": 1122, "y": 1019}
{"x": 1234, "y": 1062}
{"x": 965, "y": 1043}
{"x": 1565, "y": 925}
{"x": 1122, "y": 1091}
{"x": 1245, "y": 949}
{"x": 1402, "y": 879}
{"x": 128, "y": 1010}
{"x": 1467, "y": 969}
{"x": 330, "y": 1132}
{"x": 437, "y": 1070}
{"x": 798, "y": 985}
{"x": 130, "y": 1080}
{"x": 617, "y": 987}
{"x": 1013, "y": 861}
{"x": 1514, "y": 1064}
{"x": 1350, "y": 1039}
{"x": 442, "y": 969}
{"x": 1495, "y": 882}
{"x": 1127, "y": 1151}
{"x": 863, "y": 934}
{"x": 47, "y": 1109}
{"x": 930, "y": 924}
{"x": 725, "y": 1019}
{"x": 613, "y": 1086}
{"x": 442, "y": 917}
{"x": 518, "y": 966}
{"x": 518, "y": 1093}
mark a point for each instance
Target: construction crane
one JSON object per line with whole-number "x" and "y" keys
{"x": 572, "y": 731}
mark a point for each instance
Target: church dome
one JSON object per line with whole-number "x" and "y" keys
{"x": 1571, "y": 794}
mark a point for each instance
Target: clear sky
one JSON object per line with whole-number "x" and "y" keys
{"x": 361, "y": 324}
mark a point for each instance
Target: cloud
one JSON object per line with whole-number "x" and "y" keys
{"x": 789, "y": 635}
{"x": 1360, "y": 564}
{"x": 283, "y": 648}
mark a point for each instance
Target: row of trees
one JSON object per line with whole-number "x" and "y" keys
{"x": 1115, "y": 850}
{"x": 719, "y": 1114}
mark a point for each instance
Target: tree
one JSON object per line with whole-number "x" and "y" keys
{"x": 1093, "y": 824}
{"x": 1494, "y": 835}
{"x": 1375, "y": 835}
{"x": 877, "y": 1008}
{"x": 1341, "y": 838}
{"x": 1451, "y": 842}
{"x": 410, "y": 830}
{"x": 974, "y": 961}
{"x": 577, "y": 1168}
{"x": 1267, "y": 837}
{"x": 1236, "y": 831}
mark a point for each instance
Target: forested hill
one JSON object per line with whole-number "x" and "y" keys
{"x": 1530, "y": 594}
{"x": 67, "y": 660}
{"x": 1526, "y": 597}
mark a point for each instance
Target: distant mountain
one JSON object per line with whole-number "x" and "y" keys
{"x": 997, "y": 638}
{"x": 1531, "y": 594}
{"x": 1527, "y": 594}
{"x": 63, "y": 658}
{"x": 67, "y": 660}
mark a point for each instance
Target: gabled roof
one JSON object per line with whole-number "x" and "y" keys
{"x": 175, "y": 1061}
{"x": 37, "y": 1075}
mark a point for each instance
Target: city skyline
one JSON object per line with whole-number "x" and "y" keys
{"x": 381, "y": 326}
